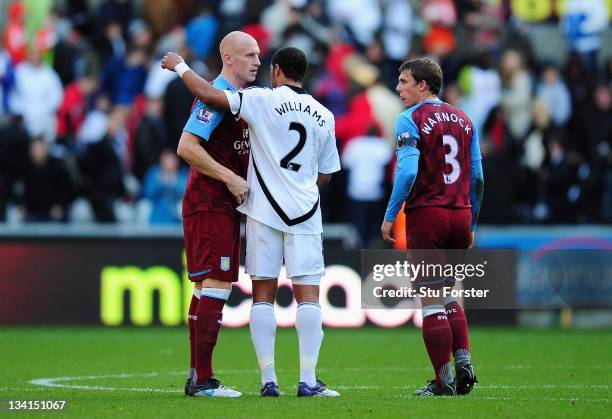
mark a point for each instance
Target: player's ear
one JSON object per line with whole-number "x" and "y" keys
{"x": 423, "y": 85}
{"x": 227, "y": 58}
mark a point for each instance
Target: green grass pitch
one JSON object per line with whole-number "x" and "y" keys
{"x": 139, "y": 373}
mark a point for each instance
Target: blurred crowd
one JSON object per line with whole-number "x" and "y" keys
{"x": 89, "y": 122}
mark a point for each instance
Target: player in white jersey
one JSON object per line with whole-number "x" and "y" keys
{"x": 293, "y": 151}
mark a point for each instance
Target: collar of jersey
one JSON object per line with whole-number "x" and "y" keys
{"x": 222, "y": 84}
{"x": 296, "y": 89}
{"x": 414, "y": 107}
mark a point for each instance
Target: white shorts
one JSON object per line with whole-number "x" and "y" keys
{"x": 266, "y": 247}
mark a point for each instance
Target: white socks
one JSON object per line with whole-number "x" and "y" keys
{"x": 263, "y": 332}
{"x": 309, "y": 327}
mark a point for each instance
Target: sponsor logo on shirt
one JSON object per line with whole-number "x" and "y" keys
{"x": 241, "y": 147}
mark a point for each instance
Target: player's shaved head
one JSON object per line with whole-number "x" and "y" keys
{"x": 234, "y": 41}
{"x": 240, "y": 56}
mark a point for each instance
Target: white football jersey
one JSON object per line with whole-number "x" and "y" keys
{"x": 292, "y": 140}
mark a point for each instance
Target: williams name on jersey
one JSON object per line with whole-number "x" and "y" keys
{"x": 292, "y": 139}
{"x": 300, "y": 107}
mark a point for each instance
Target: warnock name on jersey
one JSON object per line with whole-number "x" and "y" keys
{"x": 447, "y": 143}
{"x": 292, "y": 140}
{"x": 227, "y": 141}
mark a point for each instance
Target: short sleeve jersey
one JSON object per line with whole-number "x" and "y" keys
{"x": 447, "y": 142}
{"x": 226, "y": 139}
{"x": 292, "y": 141}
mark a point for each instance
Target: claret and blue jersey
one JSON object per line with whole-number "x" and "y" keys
{"x": 203, "y": 119}
{"x": 439, "y": 161}
{"x": 226, "y": 140}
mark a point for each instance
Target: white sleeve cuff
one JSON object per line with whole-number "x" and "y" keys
{"x": 235, "y": 100}
{"x": 181, "y": 68}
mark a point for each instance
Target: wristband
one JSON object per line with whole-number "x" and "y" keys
{"x": 181, "y": 68}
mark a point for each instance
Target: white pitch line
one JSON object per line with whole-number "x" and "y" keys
{"x": 20, "y": 389}
{"x": 52, "y": 382}
{"x": 344, "y": 388}
{"x": 59, "y": 382}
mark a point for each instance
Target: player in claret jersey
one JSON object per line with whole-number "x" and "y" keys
{"x": 293, "y": 150}
{"x": 216, "y": 146}
{"x": 439, "y": 177}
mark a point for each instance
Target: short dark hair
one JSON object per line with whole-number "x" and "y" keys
{"x": 292, "y": 61}
{"x": 425, "y": 69}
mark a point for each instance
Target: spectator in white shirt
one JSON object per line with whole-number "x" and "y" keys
{"x": 366, "y": 158}
{"x": 37, "y": 96}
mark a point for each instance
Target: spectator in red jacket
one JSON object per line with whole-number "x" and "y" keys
{"x": 73, "y": 109}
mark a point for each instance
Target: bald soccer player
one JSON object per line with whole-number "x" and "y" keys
{"x": 293, "y": 152}
{"x": 216, "y": 146}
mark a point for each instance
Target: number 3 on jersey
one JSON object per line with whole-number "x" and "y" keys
{"x": 451, "y": 159}
{"x": 285, "y": 162}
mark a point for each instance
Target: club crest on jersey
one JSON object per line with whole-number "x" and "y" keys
{"x": 204, "y": 115}
{"x": 225, "y": 263}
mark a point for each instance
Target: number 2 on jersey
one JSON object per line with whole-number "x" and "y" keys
{"x": 451, "y": 159}
{"x": 285, "y": 162}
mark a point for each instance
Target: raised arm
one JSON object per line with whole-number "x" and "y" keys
{"x": 199, "y": 87}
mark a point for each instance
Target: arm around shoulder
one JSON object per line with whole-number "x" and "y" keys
{"x": 199, "y": 87}
{"x": 205, "y": 91}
